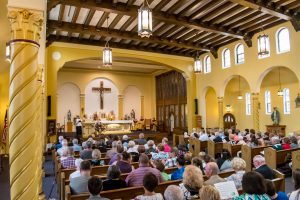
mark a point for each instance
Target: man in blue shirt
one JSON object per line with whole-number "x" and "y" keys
{"x": 178, "y": 174}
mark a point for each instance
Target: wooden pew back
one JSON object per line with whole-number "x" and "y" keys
{"x": 214, "y": 148}
{"x": 274, "y": 157}
{"x": 296, "y": 160}
{"x": 196, "y": 146}
{"x": 233, "y": 149}
{"x": 248, "y": 153}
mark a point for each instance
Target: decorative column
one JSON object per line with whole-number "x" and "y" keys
{"x": 255, "y": 110}
{"x": 82, "y": 105}
{"x": 120, "y": 107}
{"x": 220, "y": 111}
{"x": 142, "y": 106}
{"x": 23, "y": 110}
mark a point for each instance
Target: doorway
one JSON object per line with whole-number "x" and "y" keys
{"x": 228, "y": 120}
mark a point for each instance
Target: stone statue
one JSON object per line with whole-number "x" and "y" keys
{"x": 132, "y": 114}
{"x": 275, "y": 116}
{"x": 69, "y": 115}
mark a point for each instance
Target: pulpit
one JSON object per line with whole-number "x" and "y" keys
{"x": 69, "y": 126}
{"x": 276, "y": 128}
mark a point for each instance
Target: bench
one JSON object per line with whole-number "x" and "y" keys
{"x": 275, "y": 158}
{"x": 296, "y": 160}
{"x": 123, "y": 194}
{"x": 233, "y": 149}
{"x": 196, "y": 146}
{"x": 179, "y": 139}
{"x": 248, "y": 154}
{"x": 214, "y": 148}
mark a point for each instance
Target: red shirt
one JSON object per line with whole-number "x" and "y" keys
{"x": 286, "y": 146}
{"x": 167, "y": 148}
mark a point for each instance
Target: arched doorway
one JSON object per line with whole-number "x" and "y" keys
{"x": 228, "y": 121}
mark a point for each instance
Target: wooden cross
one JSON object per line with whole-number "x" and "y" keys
{"x": 101, "y": 91}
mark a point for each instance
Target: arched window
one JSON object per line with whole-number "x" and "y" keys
{"x": 264, "y": 46}
{"x": 207, "y": 65}
{"x": 248, "y": 103}
{"x": 226, "y": 58}
{"x": 268, "y": 102}
{"x": 286, "y": 101}
{"x": 283, "y": 40}
{"x": 239, "y": 54}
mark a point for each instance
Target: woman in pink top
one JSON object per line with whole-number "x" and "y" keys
{"x": 165, "y": 143}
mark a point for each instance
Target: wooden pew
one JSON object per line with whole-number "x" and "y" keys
{"x": 196, "y": 146}
{"x": 214, "y": 148}
{"x": 274, "y": 157}
{"x": 233, "y": 149}
{"x": 296, "y": 160}
{"x": 123, "y": 194}
{"x": 248, "y": 153}
{"x": 179, "y": 139}
{"x": 279, "y": 181}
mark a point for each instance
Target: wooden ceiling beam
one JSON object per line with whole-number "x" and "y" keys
{"x": 89, "y": 17}
{"x": 70, "y": 27}
{"x": 65, "y": 39}
{"x": 122, "y": 9}
{"x": 271, "y": 8}
{"x": 213, "y": 5}
{"x": 192, "y": 7}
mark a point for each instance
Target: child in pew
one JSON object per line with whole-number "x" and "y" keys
{"x": 150, "y": 182}
{"x": 271, "y": 191}
{"x": 171, "y": 161}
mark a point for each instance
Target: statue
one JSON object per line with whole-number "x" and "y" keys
{"x": 275, "y": 116}
{"x": 132, "y": 114}
{"x": 69, "y": 115}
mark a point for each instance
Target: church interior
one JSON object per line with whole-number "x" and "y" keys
{"x": 171, "y": 72}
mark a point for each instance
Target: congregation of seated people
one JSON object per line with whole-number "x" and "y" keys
{"x": 197, "y": 174}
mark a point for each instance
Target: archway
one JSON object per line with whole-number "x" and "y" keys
{"x": 270, "y": 82}
{"x": 211, "y": 107}
{"x": 68, "y": 98}
{"x": 238, "y": 86}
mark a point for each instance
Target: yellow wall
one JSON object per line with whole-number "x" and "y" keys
{"x": 71, "y": 52}
{"x": 254, "y": 71}
{"x": 82, "y": 78}
{"x": 4, "y": 65}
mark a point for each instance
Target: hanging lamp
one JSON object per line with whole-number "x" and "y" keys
{"x": 262, "y": 42}
{"x": 280, "y": 91}
{"x": 145, "y": 20}
{"x": 197, "y": 65}
{"x": 107, "y": 52}
{"x": 240, "y": 96}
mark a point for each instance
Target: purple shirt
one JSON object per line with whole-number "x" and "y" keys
{"x": 135, "y": 178}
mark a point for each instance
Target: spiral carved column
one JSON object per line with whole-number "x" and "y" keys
{"x": 220, "y": 111}
{"x": 23, "y": 110}
{"x": 255, "y": 110}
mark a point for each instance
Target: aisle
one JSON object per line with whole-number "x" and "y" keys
{"x": 49, "y": 180}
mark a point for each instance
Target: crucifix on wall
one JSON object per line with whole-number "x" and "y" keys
{"x": 101, "y": 91}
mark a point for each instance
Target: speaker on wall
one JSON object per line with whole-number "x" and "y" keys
{"x": 196, "y": 106}
{"x": 48, "y": 106}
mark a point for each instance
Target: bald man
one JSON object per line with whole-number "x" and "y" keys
{"x": 211, "y": 171}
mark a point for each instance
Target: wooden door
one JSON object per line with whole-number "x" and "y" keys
{"x": 228, "y": 120}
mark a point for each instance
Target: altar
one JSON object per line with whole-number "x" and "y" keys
{"x": 109, "y": 127}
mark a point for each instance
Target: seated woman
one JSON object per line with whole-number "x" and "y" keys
{"x": 239, "y": 166}
{"x": 125, "y": 163}
{"x": 150, "y": 182}
{"x": 161, "y": 167}
{"x": 254, "y": 187}
{"x": 294, "y": 142}
{"x": 296, "y": 177}
{"x": 198, "y": 162}
{"x": 224, "y": 163}
{"x": 192, "y": 182}
{"x": 161, "y": 154}
{"x": 286, "y": 143}
{"x": 113, "y": 180}
{"x": 209, "y": 192}
{"x": 271, "y": 191}
{"x": 96, "y": 158}
{"x": 116, "y": 157}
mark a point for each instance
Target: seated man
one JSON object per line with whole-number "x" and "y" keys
{"x": 211, "y": 171}
{"x": 80, "y": 184}
{"x": 178, "y": 174}
{"x": 69, "y": 161}
{"x": 58, "y": 144}
{"x": 141, "y": 140}
{"x": 135, "y": 178}
{"x": 76, "y": 146}
{"x": 64, "y": 144}
{"x": 217, "y": 138}
{"x": 173, "y": 192}
{"x": 261, "y": 167}
{"x": 275, "y": 141}
{"x": 95, "y": 187}
{"x": 87, "y": 153}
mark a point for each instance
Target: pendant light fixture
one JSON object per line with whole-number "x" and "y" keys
{"x": 280, "y": 91}
{"x": 197, "y": 65}
{"x": 145, "y": 20}
{"x": 107, "y": 52}
{"x": 263, "y": 42}
{"x": 240, "y": 96}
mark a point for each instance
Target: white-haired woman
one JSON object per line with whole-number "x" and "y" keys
{"x": 239, "y": 166}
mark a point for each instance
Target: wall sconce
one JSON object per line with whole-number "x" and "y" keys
{"x": 228, "y": 108}
{"x": 7, "y": 51}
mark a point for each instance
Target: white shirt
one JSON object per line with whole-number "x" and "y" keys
{"x": 78, "y": 122}
{"x": 203, "y": 137}
{"x": 74, "y": 174}
{"x": 294, "y": 195}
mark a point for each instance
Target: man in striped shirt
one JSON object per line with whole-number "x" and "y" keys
{"x": 135, "y": 178}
